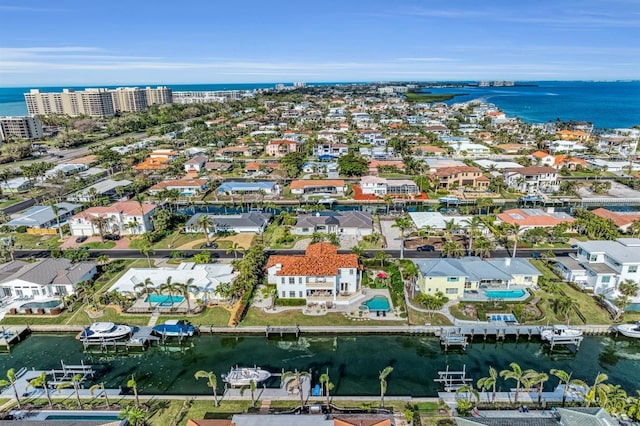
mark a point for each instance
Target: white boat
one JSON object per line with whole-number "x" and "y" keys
{"x": 244, "y": 375}
{"x": 630, "y": 330}
{"x": 105, "y": 331}
{"x": 559, "y": 331}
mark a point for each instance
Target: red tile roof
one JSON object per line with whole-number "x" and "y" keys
{"x": 619, "y": 219}
{"x": 320, "y": 260}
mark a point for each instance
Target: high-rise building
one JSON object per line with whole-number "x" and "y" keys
{"x": 20, "y": 128}
{"x": 130, "y": 99}
{"x": 96, "y": 102}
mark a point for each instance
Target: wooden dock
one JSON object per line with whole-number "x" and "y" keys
{"x": 500, "y": 332}
{"x": 453, "y": 380}
{"x": 295, "y": 330}
{"x": 12, "y": 335}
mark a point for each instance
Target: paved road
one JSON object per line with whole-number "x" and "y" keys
{"x": 222, "y": 254}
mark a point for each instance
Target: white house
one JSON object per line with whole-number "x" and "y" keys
{"x": 320, "y": 275}
{"x": 205, "y": 277}
{"x": 186, "y": 187}
{"x": 43, "y": 278}
{"x": 600, "y": 266}
{"x": 195, "y": 164}
{"x": 17, "y": 184}
{"x": 330, "y": 222}
{"x": 381, "y": 186}
{"x": 124, "y": 217}
{"x": 241, "y": 222}
{"x": 532, "y": 179}
{"x": 621, "y": 141}
{"x": 105, "y": 188}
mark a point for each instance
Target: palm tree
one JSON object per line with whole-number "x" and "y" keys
{"x": 146, "y": 250}
{"x": 450, "y": 227}
{"x": 514, "y": 230}
{"x": 565, "y": 378}
{"x": 100, "y": 386}
{"x": 403, "y": 224}
{"x": 633, "y": 409}
{"x": 297, "y": 376}
{"x": 482, "y": 247}
{"x": 597, "y": 392}
{"x": 41, "y": 382}
{"x": 135, "y": 416}
{"x": 516, "y": 374}
{"x": 131, "y": 383}
{"x": 170, "y": 288}
{"x": 468, "y": 390}
{"x": 100, "y": 222}
{"x": 11, "y": 380}
{"x": 325, "y": 381}
{"x": 452, "y": 249}
{"x": 634, "y": 228}
{"x": 206, "y": 223}
{"x": 252, "y": 389}
{"x": 103, "y": 259}
{"x": 617, "y": 400}
{"x": 75, "y": 384}
{"x": 489, "y": 382}
{"x": 212, "y": 382}
{"x": 56, "y": 213}
{"x": 472, "y": 227}
{"x": 537, "y": 379}
{"x": 564, "y": 305}
{"x": 628, "y": 288}
{"x": 234, "y": 248}
{"x": 380, "y": 255}
{"x": 146, "y": 287}
{"x": 185, "y": 289}
{"x": 383, "y": 383}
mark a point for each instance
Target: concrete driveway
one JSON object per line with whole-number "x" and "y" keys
{"x": 391, "y": 234}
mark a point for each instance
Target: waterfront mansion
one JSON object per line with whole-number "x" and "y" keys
{"x": 320, "y": 275}
{"x": 456, "y": 277}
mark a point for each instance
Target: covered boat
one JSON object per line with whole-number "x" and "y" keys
{"x": 560, "y": 331}
{"x": 105, "y": 331}
{"x": 629, "y": 330}
{"x": 243, "y": 376}
{"x": 175, "y": 328}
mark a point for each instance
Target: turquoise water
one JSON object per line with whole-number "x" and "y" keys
{"x": 354, "y": 362}
{"x": 504, "y": 294}
{"x": 164, "y": 299}
{"x": 635, "y": 307}
{"x": 46, "y": 305}
{"x": 605, "y": 104}
{"x": 378, "y": 303}
{"x": 96, "y": 418}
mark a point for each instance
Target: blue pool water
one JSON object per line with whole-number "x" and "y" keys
{"x": 45, "y": 305}
{"x": 378, "y": 303}
{"x": 633, "y": 307}
{"x": 505, "y": 294}
{"x": 164, "y": 299}
{"x": 96, "y": 418}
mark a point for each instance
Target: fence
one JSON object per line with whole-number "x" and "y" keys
{"x": 38, "y": 231}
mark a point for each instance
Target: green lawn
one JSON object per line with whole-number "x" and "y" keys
{"x": 97, "y": 245}
{"x": 32, "y": 241}
{"x": 422, "y": 318}
{"x": 295, "y": 317}
{"x": 218, "y": 316}
{"x": 430, "y": 97}
{"x": 274, "y": 233}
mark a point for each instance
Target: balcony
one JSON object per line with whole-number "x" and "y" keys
{"x": 321, "y": 285}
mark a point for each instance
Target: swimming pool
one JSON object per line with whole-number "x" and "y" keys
{"x": 164, "y": 299}
{"x": 505, "y": 294}
{"x": 633, "y": 307}
{"x": 96, "y": 418}
{"x": 378, "y": 303}
{"x": 49, "y": 304}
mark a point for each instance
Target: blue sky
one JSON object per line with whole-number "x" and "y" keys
{"x": 73, "y": 42}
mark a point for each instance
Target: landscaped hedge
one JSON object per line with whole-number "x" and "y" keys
{"x": 291, "y": 302}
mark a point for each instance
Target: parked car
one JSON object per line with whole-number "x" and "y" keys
{"x": 81, "y": 239}
{"x": 112, "y": 237}
{"x": 426, "y": 247}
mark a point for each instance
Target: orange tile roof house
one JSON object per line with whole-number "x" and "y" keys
{"x": 460, "y": 176}
{"x": 622, "y": 220}
{"x": 320, "y": 186}
{"x": 320, "y": 275}
{"x": 573, "y": 135}
{"x": 533, "y": 218}
{"x": 125, "y": 217}
{"x": 186, "y": 187}
{"x": 157, "y": 160}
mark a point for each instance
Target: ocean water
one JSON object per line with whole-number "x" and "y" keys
{"x": 605, "y": 104}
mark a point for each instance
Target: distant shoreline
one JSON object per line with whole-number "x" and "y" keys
{"x": 430, "y": 97}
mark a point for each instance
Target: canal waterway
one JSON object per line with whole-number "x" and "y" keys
{"x": 353, "y": 362}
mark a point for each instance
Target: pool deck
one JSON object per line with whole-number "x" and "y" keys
{"x": 480, "y": 296}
